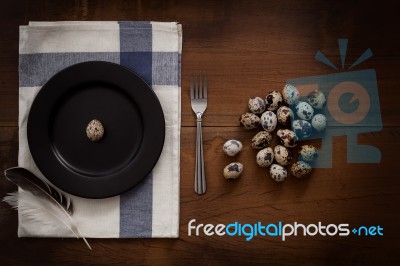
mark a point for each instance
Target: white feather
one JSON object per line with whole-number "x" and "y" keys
{"x": 42, "y": 211}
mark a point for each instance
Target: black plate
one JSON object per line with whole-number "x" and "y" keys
{"x": 133, "y": 121}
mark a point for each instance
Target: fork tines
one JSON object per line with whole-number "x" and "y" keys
{"x": 198, "y": 87}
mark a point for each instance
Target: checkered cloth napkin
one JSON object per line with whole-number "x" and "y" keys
{"x": 153, "y": 51}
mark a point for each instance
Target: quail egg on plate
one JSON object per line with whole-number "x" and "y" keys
{"x": 277, "y": 172}
{"x": 265, "y": 157}
{"x": 283, "y": 155}
{"x": 273, "y": 100}
{"x": 304, "y": 111}
{"x": 317, "y": 99}
{"x": 269, "y": 121}
{"x": 256, "y": 105}
{"x": 300, "y": 169}
{"x": 261, "y": 140}
{"x": 233, "y": 170}
{"x": 249, "y": 121}
{"x": 232, "y": 147}
{"x": 287, "y": 138}
{"x": 95, "y": 130}
{"x": 290, "y": 94}
{"x": 284, "y": 115}
{"x": 319, "y": 122}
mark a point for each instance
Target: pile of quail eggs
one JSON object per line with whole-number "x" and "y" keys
{"x": 286, "y": 109}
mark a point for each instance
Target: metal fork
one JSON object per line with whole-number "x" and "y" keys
{"x": 198, "y": 97}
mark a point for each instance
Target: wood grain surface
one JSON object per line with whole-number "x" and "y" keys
{"x": 246, "y": 48}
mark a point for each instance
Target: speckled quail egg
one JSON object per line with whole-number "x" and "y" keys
{"x": 249, "y": 121}
{"x": 319, "y": 122}
{"x": 284, "y": 115}
{"x": 256, "y": 105}
{"x": 232, "y": 147}
{"x": 277, "y": 172}
{"x": 261, "y": 140}
{"x": 302, "y": 128}
{"x": 95, "y": 130}
{"x": 233, "y": 170}
{"x": 300, "y": 169}
{"x": 273, "y": 100}
{"x": 317, "y": 99}
{"x": 287, "y": 138}
{"x": 308, "y": 153}
{"x": 269, "y": 121}
{"x": 283, "y": 155}
{"x": 265, "y": 157}
{"x": 290, "y": 94}
{"x": 304, "y": 111}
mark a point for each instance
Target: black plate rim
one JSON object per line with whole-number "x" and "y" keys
{"x": 102, "y": 187}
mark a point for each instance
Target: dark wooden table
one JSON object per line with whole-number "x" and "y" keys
{"x": 246, "y": 48}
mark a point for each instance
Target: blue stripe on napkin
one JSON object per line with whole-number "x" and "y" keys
{"x": 135, "y": 36}
{"x": 136, "y": 205}
{"x": 36, "y": 69}
{"x": 136, "y": 210}
{"x": 157, "y": 68}
{"x": 165, "y": 65}
{"x": 140, "y": 63}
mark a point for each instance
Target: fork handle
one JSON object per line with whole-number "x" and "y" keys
{"x": 200, "y": 178}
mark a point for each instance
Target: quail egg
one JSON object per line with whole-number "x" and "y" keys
{"x": 284, "y": 115}
{"x": 269, "y": 121}
{"x": 290, "y": 94}
{"x": 273, "y": 100}
{"x": 300, "y": 169}
{"x": 249, "y": 121}
{"x": 95, "y": 130}
{"x": 319, "y": 122}
{"x": 232, "y": 147}
{"x": 304, "y": 110}
{"x": 308, "y": 153}
{"x": 283, "y": 155}
{"x": 277, "y": 172}
{"x": 265, "y": 157}
{"x": 287, "y": 138}
{"x": 261, "y": 140}
{"x": 317, "y": 99}
{"x": 233, "y": 170}
{"x": 256, "y": 105}
{"x": 302, "y": 128}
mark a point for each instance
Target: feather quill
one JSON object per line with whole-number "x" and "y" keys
{"x": 40, "y": 201}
